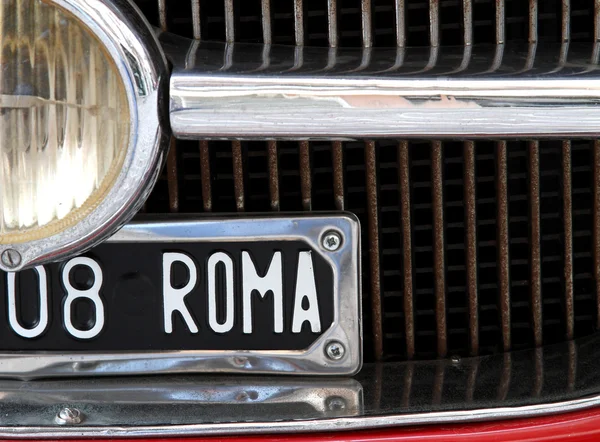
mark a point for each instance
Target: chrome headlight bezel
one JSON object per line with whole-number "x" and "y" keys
{"x": 130, "y": 42}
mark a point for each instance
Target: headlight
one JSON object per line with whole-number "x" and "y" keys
{"x": 81, "y": 136}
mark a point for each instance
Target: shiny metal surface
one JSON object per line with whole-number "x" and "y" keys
{"x": 312, "y": 93}
{"x": 346, "y": 326}
{"x": 558, "y": 379}
{"x": 130, "y": 42}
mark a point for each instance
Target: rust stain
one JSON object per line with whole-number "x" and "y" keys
{"x": 568, "y": 238}
{"x": 409, "y": 374}
{"x": 405, "y": 215}
{"x": 273, "y": 174}
{"x": 172, "y": 181}
{"x": 338, "y": 174}
{"x": 471, "y": 244}
{"x": 438, "y": 383}
{"x": 238, "y": 175}
{"x": 205, "y": 176}
{"x": 439, "y": 261}
{"x": 572, "y": 373}
{"x": 472, "y": 379}
{"x": 305, "y": 176}
{"x": 505, "y": 376}
{"x": 503, "y": 250}
{"x": 534, "y": 222}
{"x": 373, "y": 234}
{"x": 538, "y": 382}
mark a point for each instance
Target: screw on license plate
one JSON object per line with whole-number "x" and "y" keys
{"x": 331, "y": 241}
{"x": 335, "y": 350}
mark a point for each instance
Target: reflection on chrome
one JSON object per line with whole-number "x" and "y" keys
{"x": 302, "y": 92}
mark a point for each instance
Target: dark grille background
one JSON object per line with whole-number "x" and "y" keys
{"x": 434, "y": 301}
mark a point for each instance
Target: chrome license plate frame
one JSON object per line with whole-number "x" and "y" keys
{"x": 317, "y": 359}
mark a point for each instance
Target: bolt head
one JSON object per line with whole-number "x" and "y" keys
{"x": 455, "y": 359}
{"x": 335, "y": 350}
{"x": 336, "y": 403}
{"x": 331, "y": 241}
{"x": 11, "y": 258}
{"x": 69, "y": 416}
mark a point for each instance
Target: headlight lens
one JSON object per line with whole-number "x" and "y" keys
{"x": 64, "y": 120}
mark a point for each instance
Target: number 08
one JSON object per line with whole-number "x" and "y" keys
{"x": 93, "y": 294}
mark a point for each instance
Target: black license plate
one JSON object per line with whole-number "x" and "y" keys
{"x": 267, "y": 295}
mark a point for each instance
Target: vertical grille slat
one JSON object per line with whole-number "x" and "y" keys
{"x": 535, "y": 246}
{"x": 238, "y": 175}
{"x": 229, "y": 21}
{"x": 500, "y": 22}
{"x": 596, "y": 227}
{"x": 566, "y": 20}
{"x": 405, "y": 215}
{"x": 205, "y": 176}
{"x": 434, "y": 23}
{"x": 332, "y": 23}
{"x": 338, "y": 174}
{"x": 367, "y": 23}
{"x": 471, "y": 243}
{"x": 503, "y": 246}
{"x": 196, "y": 21}
{"x": 468, "y": 22}
{"x": 373, "y": 247}
{"x": 162, "y": 14}
{"x": 172, "y": 177}
{"x": 266, "y": 21}
{"x": 533, "y": 21}
{"x": 439, "y": 247}
{"x": 568, "y": 239}
{"x": 400, "y": 11}
{"x": 272, "y": 158}
{"x": 305, "y": 175}
{"x": 299, "y": 22}
{"x": 597, "y": 20}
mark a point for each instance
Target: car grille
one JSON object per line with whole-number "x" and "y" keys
{"x": 469, "y": 247}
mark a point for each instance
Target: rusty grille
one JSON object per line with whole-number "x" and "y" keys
{"x": 468, "y": 247}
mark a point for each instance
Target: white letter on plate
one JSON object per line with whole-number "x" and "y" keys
{"x": 271, "y": 281}
{"x": 173, "y": 298}
{"x": 306, "y": 287}
{"x": 215, "y": 259}
{"x": 93, "y": 294}
{"x": 12, "y": 305}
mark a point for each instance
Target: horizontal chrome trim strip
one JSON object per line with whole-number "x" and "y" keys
{"x": 548, "y": 380}
{"x": 254, "y": 91}
{"x": 335, "y": 424}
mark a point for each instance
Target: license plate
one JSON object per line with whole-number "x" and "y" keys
{"x": 247, "y": 295}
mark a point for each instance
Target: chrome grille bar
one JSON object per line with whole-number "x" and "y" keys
{"x": 368, "y": 95}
